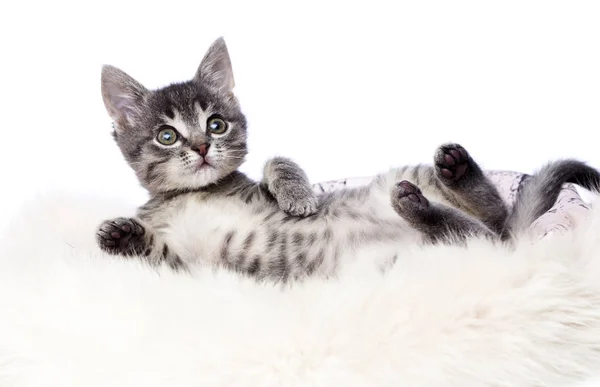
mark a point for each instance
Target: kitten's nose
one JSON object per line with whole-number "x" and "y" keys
{"x": 202, "y": 149}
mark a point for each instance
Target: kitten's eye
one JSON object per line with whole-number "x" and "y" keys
{"x": 216, "y": 125}
{"x": 167, "y": 136}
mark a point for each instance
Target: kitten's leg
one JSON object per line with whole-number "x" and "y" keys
{"x": 288, "y": 183}
{"x": 436, "y": 221}
{"x": 123, "y": 236}
{"x": 469, "y": 186}
{"x": 129, "y": 237}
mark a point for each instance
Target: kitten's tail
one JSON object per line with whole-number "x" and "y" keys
{"x": 539, "y": 191}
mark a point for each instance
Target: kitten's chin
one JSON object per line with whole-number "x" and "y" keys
{"x": 189, "y": 179}
{"x": 204, "y": 175}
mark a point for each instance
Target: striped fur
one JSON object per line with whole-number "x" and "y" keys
{"x": 203, "y": 211}
{"x": 540, "y": 191}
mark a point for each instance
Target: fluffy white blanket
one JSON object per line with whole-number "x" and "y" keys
{"x": 443, "y": 316}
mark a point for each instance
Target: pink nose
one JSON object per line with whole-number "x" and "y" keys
{"x": 202, "y": 149}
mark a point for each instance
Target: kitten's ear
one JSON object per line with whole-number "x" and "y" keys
{"x": 122, "y": 94}
{"x": 215, "y": 69}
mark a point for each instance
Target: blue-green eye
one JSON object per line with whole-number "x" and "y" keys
{"x": 216, "y": 125}
{"x": 167, "y": 136}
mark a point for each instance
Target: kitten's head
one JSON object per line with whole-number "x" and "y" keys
{"x": 183, "y": 136}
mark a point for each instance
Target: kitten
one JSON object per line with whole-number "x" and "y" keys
{"x": 186, "y": 141}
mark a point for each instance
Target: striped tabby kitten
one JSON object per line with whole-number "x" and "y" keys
{"x": 186, "y": 141}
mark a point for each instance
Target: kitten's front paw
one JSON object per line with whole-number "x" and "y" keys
{"x": 121, "y": 236}
{"x": 300, "y": 201}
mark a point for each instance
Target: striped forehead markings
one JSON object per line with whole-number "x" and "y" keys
{"x": 177, "y": 122}
{"x": 202, "y": 116}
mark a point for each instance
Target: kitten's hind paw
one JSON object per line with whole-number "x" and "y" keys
{"x": 408, "y": 200}
{"x": 407, "y": 192}
{"x": 121, "y": 236}
{"x": 451, "y": 162}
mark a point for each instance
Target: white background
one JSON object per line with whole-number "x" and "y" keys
{"x": 344, "y": 88}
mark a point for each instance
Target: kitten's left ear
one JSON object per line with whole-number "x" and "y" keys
{"x": 122, "y": 95}
{"x": 215, "y": 69}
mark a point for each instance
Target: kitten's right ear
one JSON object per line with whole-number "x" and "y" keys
{"x": 215, "y": 69}
{"x": 122, "y": 95}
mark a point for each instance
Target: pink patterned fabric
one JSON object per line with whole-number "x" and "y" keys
{"x": 566, "y": 213}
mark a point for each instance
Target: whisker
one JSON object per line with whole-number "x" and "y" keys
{"x": 232, "y": 158}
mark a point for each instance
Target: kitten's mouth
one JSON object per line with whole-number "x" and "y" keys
{"x": 202, "y": 165}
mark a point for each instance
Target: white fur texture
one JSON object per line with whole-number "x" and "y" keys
{"x": 443, "y": 316}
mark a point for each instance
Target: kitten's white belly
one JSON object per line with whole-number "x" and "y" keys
{"x": 196, "y": 229}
